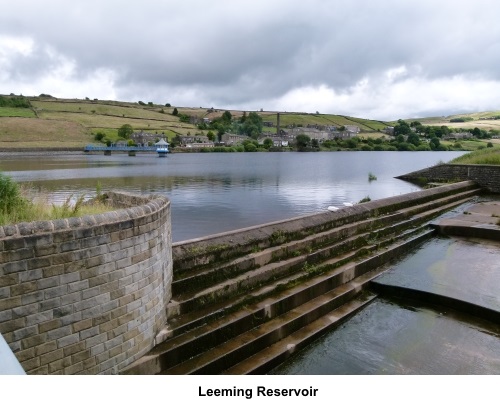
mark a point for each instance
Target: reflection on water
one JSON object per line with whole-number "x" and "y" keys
{"x": 465, "y": 269}
{"x": 388, "y": 338}
{"x": 216, "y": 192}
{"x": 385, "y": 338}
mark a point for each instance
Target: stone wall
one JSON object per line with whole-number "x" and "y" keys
{"x": 486, "y": 176}
{"x": 87, "y": 295}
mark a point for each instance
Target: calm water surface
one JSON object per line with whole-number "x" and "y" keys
{"x": 216, "y": 192}
{"x": 388, "y": 338}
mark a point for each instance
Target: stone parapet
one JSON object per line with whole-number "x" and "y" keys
{"x": 486, "y": 176}
{"x": 87, "y": 295}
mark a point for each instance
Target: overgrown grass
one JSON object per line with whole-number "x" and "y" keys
{"x": 488, "y": 156}
{"x": 16, "y": 112}
{"x": 20, "y": 204}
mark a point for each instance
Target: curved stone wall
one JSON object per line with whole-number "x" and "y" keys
{"x": 87, "y": 295}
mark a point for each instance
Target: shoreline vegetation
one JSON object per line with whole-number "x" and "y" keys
{"x": 479, "y": 157}
{"x": 23, "y": 204}
{"x": 48, "y": 124}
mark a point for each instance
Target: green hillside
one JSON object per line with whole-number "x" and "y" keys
{"x": 48, "y": 122}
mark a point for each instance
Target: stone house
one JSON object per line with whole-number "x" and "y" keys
{"x": 233, "y": 139}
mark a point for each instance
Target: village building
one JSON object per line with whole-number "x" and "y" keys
{"x": 456, "y": 136}
{"x": 142, "y": 138}
{"x": 233, "y": 139}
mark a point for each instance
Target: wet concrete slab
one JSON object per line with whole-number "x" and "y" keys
{"x": 483, "y": 215}
{"x": 464, "y": 269}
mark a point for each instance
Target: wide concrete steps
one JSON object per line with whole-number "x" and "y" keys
{"x": 247, "y": 314}
{"x": 243, "y": 274}
{"x": 272, "y": 356}
{"x": 270, "y": 314}
{"x": 288, "y": 313}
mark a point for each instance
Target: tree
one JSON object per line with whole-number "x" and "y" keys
{"x": 125, "y": 131}
{"x": 227, "y": 117}
{"x": 211, "y": 136}
{"x": 476, "y": 132}
{"x": 413, "y": 139}
{"x": 268, "y": 143}
{"x": 252, "y": 125}
{"x": 402, "y": 128}
{"x": 302, "y": 141}
{"x": 434, "y": 143}
{"x": 175, "y": 112}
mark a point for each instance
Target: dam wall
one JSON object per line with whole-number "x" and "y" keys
{"x": 224, "y": 246}
{"x": 486, "y": 176}
{"x": 87, "y": 295}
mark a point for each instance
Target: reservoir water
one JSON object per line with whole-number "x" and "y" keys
{"x": 216, "y": 192}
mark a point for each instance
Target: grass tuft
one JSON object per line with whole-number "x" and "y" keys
{"x": 20, "y": 204}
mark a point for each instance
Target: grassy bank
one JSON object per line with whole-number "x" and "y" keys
{"x": 488, "y": 156}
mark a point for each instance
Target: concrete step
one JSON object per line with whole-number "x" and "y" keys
{"x": 274, "y": 355}
{"x": 199, "y": 277}
{"x": 246, "y": 345}
{"x": 244, "y": 281}
{"x": 204, "y": 338}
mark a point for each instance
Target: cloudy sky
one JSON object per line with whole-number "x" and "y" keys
{"x": 383, "y": 59}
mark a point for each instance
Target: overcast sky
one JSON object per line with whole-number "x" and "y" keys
{"x": 383, "y": 59}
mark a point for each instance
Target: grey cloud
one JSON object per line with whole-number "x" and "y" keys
{"x": 244, "y": 52}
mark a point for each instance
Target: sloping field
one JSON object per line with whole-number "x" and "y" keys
{"x": 303, "y": 119}
{"x": 35, "y": 132}
{"x": 16, "y": 112}
{"x": 91, "y": 108}
{"x": 482, "y": 120}
{"x": 107, "y": 121}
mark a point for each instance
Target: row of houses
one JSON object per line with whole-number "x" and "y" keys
{"x": 282, "y": 140}
{"x": 142, "y": 138}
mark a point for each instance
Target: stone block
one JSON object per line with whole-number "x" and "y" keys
{"x": 12, "y": 325}
{"x": 68, "y": 340}
{"x": 82, "y": 325}
{"x": 45, "y": 348}
{"x": 24, "y": 333}
{"x": 55, "y": 292}
{"x": 9, "y": 303}
{"x": 14, "y": 267}
{"x": 50, "y": 325}
{"x": 38, "y": 263}
{"x": 51, "y": 357}
{"x": 74, "y": 348}
{"x": 11, "y": 279}
{"x": 38, "y": 318}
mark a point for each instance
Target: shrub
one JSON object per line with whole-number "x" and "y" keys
{"x": 13, "y": 206}
{"x": 99, "y": 136}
